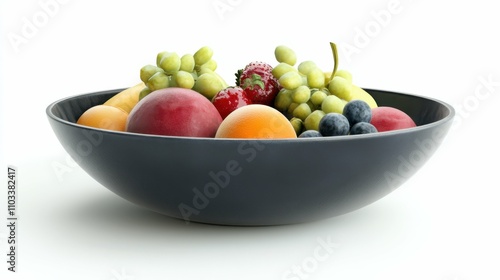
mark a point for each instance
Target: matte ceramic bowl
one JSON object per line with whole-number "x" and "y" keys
{"x": 253, "y": 182}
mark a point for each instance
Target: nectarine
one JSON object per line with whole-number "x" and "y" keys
{"x": 174, "y": 112}
{"x": 386, "y": 118}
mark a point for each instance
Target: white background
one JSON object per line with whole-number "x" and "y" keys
{"x": 442, "y": 224}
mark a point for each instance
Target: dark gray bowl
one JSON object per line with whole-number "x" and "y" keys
{"x": 253, "y": 182}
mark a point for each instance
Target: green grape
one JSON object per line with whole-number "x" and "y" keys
{"x": 311, "y": 105}
{"x": 187, "y": 63}
{"x": 332, "y": 104}
{"x": 316, "y": 78}
{"x": 159, "y": 56}
{"x": 340, "y": 87}
{"x": 208, "y": 84}
{"x": 211, "y": 64}
{"x": 206, "y": 70}
{"x": 184, "y": 79}
{"x": 195, "y": 75}
{"x": 282, "y": 68}
{"x": 171, "y": 81}
{"x": 285, "y": 54}
{"x": 297, "y": 124}
{"x": 302, "y": 111}
{"x": 304, "y": 79}
{"x": 301, "y": 94}
{"x": 317, "y": 97}
{"x": 292, "y": 107}
{"x": 203, "y": 70}
{"x": 170, "y": 63}
{"x": 344, "y": 74}
{"x": 158, "y": 81}
{"x": 306, "y": 66}
{"x": 290, "y": 80}
{"x": 203, "y": 55}
{"x": 283, "y": 100}
{"x": 148, "y": 71}
{"x": 312, "y": 121}
{"x": 145, "y": 91}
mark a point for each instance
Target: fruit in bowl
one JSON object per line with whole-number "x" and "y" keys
{"x": 304, "y": 94}
{"x": 390, "y": 118}
{"x": 175, "y": 112}
{"x": 252, "y": 182}
{"x": 255, "y": 181}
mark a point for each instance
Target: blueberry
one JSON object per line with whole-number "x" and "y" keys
{"x": 362, "y": 128}
{"x": 333, "y": 124}
{"x": 357, "y": 111}
{"x": 310, "y": 133}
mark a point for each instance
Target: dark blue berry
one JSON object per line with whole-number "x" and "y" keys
{"x": 357, "y": 111}
{"x": 310, "y": 133}
{"x": 362, "y": 128}
{"x": 333, "y": 124}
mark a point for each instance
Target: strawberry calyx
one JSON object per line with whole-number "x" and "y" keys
{"x": 238, "y": 77}
{"x": 252, "y": 81}
{"x": 257, "y": 80}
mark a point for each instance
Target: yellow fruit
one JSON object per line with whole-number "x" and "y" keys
{"x": 126, "y": 99}
{"x": 359, "y": 93}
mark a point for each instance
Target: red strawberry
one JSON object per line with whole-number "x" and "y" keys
{"x": 230, "y": 99}
{"x": 258, "y": 82}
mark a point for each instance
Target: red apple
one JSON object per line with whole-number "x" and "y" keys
{"x": 386, "y": 118}
{"x": 174, "y": 112}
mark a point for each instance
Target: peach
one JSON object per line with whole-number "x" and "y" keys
{"x": 174, "y": 112}
{"x": 386, "y": 118}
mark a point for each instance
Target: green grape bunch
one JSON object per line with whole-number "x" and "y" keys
{"x": 307, "y": 92}
{"x": 192, "y": 71}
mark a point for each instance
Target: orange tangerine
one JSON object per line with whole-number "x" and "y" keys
{"x": 256, "y": 121}
{"x": 105, "y": 117}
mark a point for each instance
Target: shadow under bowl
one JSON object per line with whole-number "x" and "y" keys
{"x": 250, "y": 182}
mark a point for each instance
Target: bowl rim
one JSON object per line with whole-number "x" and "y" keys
{"x": 447, "y": 118}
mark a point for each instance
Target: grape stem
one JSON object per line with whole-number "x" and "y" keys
{"x": 335, "y": 59}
